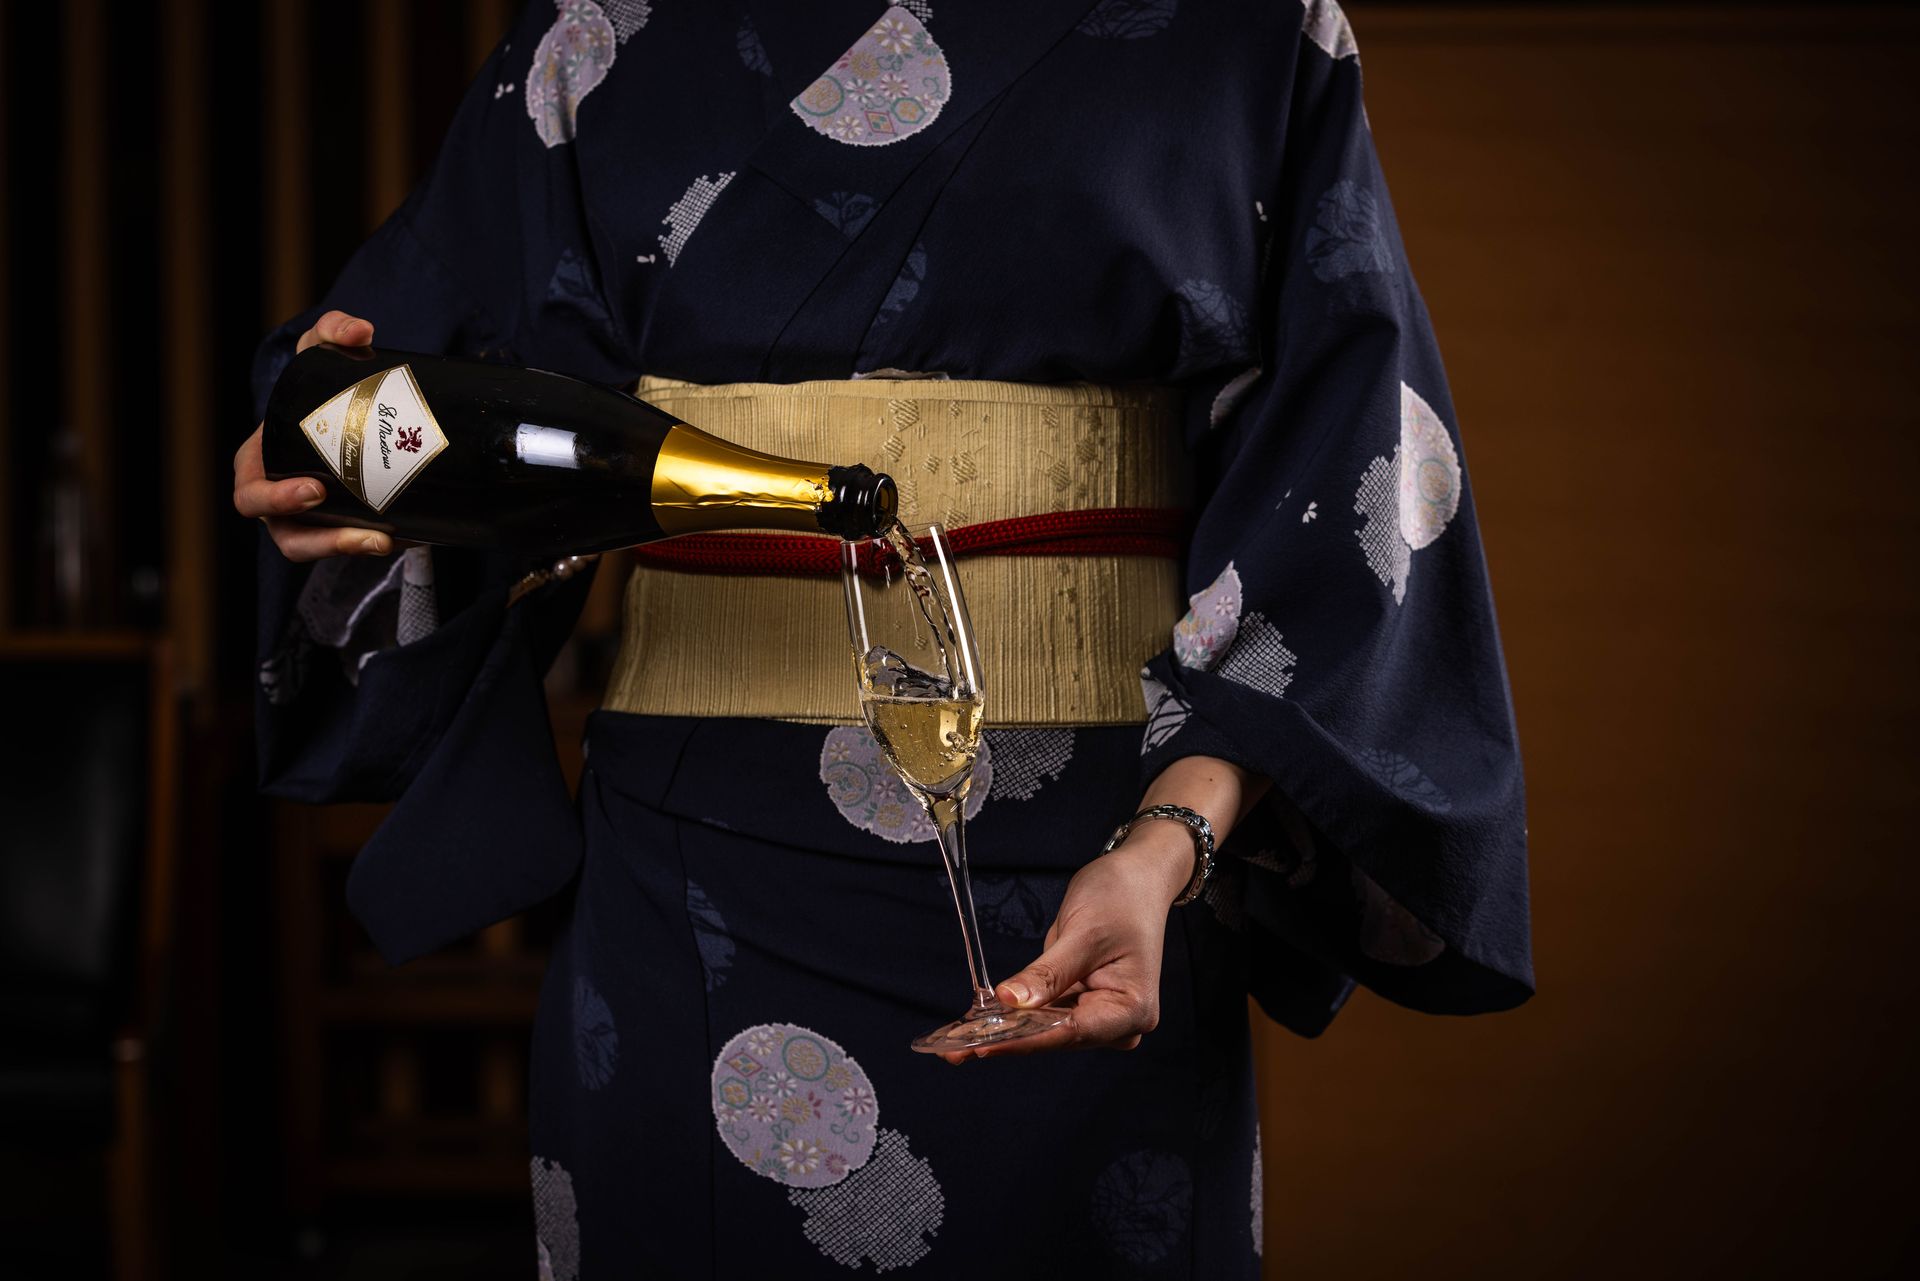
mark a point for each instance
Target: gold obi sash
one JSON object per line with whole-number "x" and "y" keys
{"x": 1062, "y": 638}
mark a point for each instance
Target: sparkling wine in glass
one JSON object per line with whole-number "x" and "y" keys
{"x": 919, "y": 678}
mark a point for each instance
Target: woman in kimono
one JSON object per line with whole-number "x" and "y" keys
{"x": 1098, "y": 258}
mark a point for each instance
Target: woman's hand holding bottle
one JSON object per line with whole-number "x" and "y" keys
{"x": 275, "y": 502}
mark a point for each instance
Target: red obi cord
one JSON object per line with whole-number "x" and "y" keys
{"x": 1099, "y": 531}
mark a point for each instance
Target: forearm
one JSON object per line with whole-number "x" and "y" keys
{"x": 1218, "y": 790}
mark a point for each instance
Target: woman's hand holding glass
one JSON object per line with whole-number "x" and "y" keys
{"x": 1104, "y": 949}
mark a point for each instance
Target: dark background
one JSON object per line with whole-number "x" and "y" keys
{"x": 1668, "y": 252}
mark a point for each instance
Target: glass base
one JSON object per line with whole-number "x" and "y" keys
{"x": 991, "y": 1025}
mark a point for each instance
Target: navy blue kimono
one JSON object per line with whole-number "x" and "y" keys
{"x": 1179, "y": 191}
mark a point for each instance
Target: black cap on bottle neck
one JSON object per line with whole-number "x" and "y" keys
{"x": 864, "y": 502}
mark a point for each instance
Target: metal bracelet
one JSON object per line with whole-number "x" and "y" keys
{"x": 1196, "y": 825}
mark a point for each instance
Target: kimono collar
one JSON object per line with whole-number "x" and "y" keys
{"x": 988, "y": 44}
{"x": 770, "y": 288}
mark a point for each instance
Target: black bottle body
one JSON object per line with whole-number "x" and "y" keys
{"x": 460, "y": 453}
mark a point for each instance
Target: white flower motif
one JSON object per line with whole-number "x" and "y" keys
{"x": 1166, "y": 712}
{"x": 856, "y": 1101}
{"x": 893, "y": 35}
{"x": 864, "y": 92}
{"x": 884, "y": 1212}
{"x": 684, "y": 214}
{"x": 894, "y": 86}
{"x": 763, "y": 1109}
{"x": 847, "y": 127}
{"x": 556, "y": 1219}
{"x": 781, "y": 1084}
{"x": 762, "y": 1041}
{"x": 1311, "y": 513}
{"x": 800, "y": 1157}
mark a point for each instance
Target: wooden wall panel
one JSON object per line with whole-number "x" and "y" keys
{"x": 285, "y": 162}
{"x": 8, "y": 552}
{"x": 191, "y": 450}
{"x": 486, "y": 23}
{"x": 1670, "y": 259}
{"x": 389, "y": 121}
{"x": 84, "y": 398}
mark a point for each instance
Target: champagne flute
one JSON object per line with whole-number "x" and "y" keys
{"x": 925, "y": 712}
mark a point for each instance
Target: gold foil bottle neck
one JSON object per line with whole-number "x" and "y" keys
{"x": 703, "y": 482}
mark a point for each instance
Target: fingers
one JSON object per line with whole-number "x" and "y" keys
{"x": 1103, "y": 1019}
{"x": 247, "y": 462}
{"x": 337, "y": 327}
{"x": 303, "y": 542}
{"x": 1116, "y": 1018}
{"x": 274, "y": 501}
{"x": 255, "y": 495}
{"x": 277, "y": 497}
{"x": 1070, "y": 958}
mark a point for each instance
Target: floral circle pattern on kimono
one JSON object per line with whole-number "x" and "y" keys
{"x": 596, "y": 1041}
{"x": 1347, "y": 236}
{"x": 1142, "y": 1203}
{"x": 710, "y": 936}
{"x": 1405, "y": 779}
{"x": 1215, "y": 331}
{"x": 1325, "y": 23}
{"x": 1212, "y": 621}
{"x": 1429, "y": 472}
{"x": 1018, "y": 905}
{"x": 1128, "y": 19}
{"x": 569, "y": 63}
{"x": 889, "y": 86}
{"x": 1410, "y": 499}
{"x": 869, "y": 795}
{"x": 793, "y": 1105}
{"x": 753, "y": 52}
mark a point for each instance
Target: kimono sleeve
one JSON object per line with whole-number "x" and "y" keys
{"x": 1341, "y": 639}
{"x": 345, "y": 711}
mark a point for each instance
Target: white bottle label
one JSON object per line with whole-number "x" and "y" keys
{"x": 376, "y": 435}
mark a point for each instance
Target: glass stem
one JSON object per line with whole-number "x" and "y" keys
{"x": 950, "y": 822}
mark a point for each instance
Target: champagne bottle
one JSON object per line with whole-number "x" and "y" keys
{"x": 465, "y": 454}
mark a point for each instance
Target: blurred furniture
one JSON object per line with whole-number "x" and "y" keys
{"x": 86, "y": 855}
{"x": 412, "y": 1081}
{"x": 397, "y": 1081}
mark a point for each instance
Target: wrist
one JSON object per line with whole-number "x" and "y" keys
{"x": 1163, "y": 851}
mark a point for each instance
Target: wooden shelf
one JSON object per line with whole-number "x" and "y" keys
{"x": 414, "y": 1174}
{"x": 76, "y": 643}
